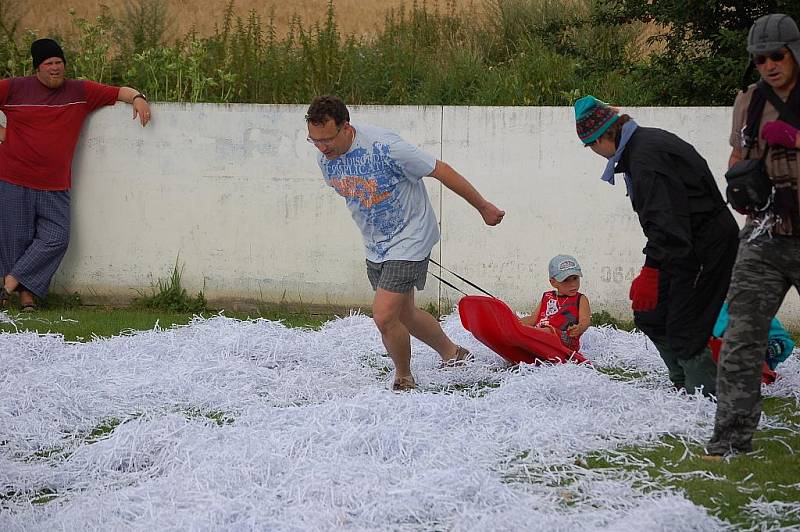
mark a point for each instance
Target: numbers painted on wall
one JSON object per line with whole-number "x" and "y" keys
{"x": 617, "y": 274}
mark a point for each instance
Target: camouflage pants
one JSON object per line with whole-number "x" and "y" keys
{"x": 765, "y": 269}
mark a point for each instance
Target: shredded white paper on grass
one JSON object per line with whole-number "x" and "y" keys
{"x": 250, "y": 425}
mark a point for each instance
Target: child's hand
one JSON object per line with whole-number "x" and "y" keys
{"x": 574, "y": 331}
{"x": 549, "y": 328}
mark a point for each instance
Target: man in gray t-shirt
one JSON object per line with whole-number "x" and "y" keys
{"x": 380, "y": 176}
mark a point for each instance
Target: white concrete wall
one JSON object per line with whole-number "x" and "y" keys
{"x": 235, "y": 192}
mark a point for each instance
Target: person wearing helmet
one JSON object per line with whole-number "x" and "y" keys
{"x": 768, "y": 261}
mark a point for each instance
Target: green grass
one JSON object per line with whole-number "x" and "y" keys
{"x": 726, "y": 487}
{"x": 82, "y": 324}
{"x": 605, "y": 318}
{"x": 622, "y": 374}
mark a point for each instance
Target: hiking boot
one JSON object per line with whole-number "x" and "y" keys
{"x": 716, "y": 452}
{"x": 461, "y": 358}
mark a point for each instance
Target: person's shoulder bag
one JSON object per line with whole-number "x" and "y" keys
{"x": 750, "y": 189}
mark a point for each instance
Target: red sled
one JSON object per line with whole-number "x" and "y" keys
{"x": 768, "y": 375}
{"x": 496, "y": 326}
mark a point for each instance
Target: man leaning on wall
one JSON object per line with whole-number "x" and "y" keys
{"x": 768, "y": 262}
{"x": 44, "y": 114}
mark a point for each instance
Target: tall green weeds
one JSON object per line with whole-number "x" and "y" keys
{"x": 501, "y": 52}
{"x": 170, "y": 296}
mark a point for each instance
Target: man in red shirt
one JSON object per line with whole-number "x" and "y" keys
{"x": 44, "y": 115}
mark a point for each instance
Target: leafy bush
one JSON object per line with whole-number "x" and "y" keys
{"x": 703, "y": 55}
{"x": 517, "y": 52}
{"x": 513, "y": 52}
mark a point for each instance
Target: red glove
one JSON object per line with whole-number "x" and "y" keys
{"x": 779, "y": 133}
{"x": 644, "y": 290}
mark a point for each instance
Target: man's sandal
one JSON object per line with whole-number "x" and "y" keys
{"x": 404, "y": 384}
{"x": 461, "y": 358}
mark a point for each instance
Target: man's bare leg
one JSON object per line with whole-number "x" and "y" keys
{"x": 427, "y": 329}
{"x": 386, "y": 309}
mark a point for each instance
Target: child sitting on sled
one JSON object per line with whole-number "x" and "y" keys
{"x": 564, "y": 311}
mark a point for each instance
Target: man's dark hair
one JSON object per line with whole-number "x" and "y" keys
{"x": 323, "y": 108}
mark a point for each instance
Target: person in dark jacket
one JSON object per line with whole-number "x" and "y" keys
{"x": 691, "y": 237}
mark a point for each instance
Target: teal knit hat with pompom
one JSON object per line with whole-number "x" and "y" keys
{"x": 593, "y": 118}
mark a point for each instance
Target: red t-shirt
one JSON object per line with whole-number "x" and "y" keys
{"x": 43, "y": 126}
{"x": 565, "y": 307}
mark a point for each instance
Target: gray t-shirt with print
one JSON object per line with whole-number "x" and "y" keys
{"x": 380, "y": 178}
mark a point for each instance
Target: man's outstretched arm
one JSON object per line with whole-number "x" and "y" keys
{"x": 458, "y": 184}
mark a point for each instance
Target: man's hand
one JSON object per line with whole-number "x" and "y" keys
{"x": 644, "y": 290}
{"x": 779, "y": 133}
{"x": 491, "y": 214}
{"x": 141, "y": 109}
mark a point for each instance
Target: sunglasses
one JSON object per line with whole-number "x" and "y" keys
{"x": 775, "y": 57}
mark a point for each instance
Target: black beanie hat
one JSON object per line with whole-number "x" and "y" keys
{"x": 44, "y": 49}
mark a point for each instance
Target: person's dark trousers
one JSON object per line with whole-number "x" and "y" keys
{"x": 698, "y": 372}
{"x": 764, "y": 271}
{"x": 690, "y": 294}
{"x": 34, "y": 234}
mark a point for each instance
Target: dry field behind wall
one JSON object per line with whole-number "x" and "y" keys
{"x": 361, "y": 17}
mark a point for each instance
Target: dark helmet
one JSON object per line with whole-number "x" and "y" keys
{"x": 773, "y": 32}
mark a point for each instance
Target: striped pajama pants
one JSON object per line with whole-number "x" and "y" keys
{"x": 34, "y": 234}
